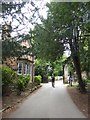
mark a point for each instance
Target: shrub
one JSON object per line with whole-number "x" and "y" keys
{"x": 86, "y": 81}
{"x": 37, "y": 79}
{"x": 26, "y": 80}
{"x": 8, "y": 78}
{"x": 22, "y": 83}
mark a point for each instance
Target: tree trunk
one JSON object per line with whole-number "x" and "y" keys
{"x": 76, "y": 60}
{"x": 78, "y": 71}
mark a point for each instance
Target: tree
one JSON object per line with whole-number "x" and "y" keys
{"x": 85, "y": 55}
{"x": 19, "y": 13}
{"x": 45, "y": 44}
{"x": 43, "y": 68}
{"x": 14, "y": 17}
{"x": 62, "y": 27}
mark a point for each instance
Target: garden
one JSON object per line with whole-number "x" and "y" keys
{"x": 15, "y": 87}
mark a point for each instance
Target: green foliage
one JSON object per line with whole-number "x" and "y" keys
{"x": 13, "y": 10}
{"x": 22, "y": 82}
{"x": 39, "y": 70}
{"x": 58, "y": 66}
{"x": 60, "y": 32}
{"x": 47, "y": 43}
{"x": 37, "y": 79}
{"x": 86, "y": 81}
{"x": 11, "y": 49}
{"x": 49, "y": 78}
{"x": 85, "y": 55}
{"x": 41, "y": 67}
{"x": 71, "y": 67}
{"x": 8, "y": 76}
{"x": 8, "y": 79}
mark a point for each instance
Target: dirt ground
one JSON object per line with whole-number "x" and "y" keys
{"x": 80, "y": 99}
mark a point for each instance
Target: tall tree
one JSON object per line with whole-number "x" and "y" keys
{"x": 45, "y": 43}
{"x": 62, "y": 27}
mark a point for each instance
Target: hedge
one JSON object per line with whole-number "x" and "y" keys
{"x": 8, "y": 78}
{"x": 22, "y": 82}
{"x": 37, "y": 79}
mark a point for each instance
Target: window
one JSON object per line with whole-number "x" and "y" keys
{"x": 25, "y": 69}
{"x": 19, "y": 68}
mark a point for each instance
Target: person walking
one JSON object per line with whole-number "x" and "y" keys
{"x": 53, "y": 80}
{"x": 70, "y": 79}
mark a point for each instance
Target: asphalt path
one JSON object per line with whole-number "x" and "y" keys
{"x": 48, "y": 102}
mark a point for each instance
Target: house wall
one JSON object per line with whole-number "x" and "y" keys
{"x": 11, "y": 62}
{"x": 27, "y": 66}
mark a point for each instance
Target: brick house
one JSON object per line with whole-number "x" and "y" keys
{"x": 26, "y": 63}
{"x": 23, "y": 65}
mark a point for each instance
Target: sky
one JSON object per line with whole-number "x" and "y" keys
{"x": 27, "y": 25}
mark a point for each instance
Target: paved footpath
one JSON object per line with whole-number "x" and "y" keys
{"x": 48, "y": 102}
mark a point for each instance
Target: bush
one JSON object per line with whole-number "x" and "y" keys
{"x": 37, "y": 79}
{"x": 22, "y": 83}
{"x": 26, "y": 80}
{"x": 86, "y": 81}
{"x": 8, "y": 78}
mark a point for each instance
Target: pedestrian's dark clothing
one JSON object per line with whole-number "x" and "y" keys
{"x": 70, "y": 79}
{"x": 53, "y": 81}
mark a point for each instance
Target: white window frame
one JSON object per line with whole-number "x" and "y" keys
{"x": 25, "y": 69}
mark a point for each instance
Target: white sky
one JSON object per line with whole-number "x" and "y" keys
{"x": 27, "y": 25}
